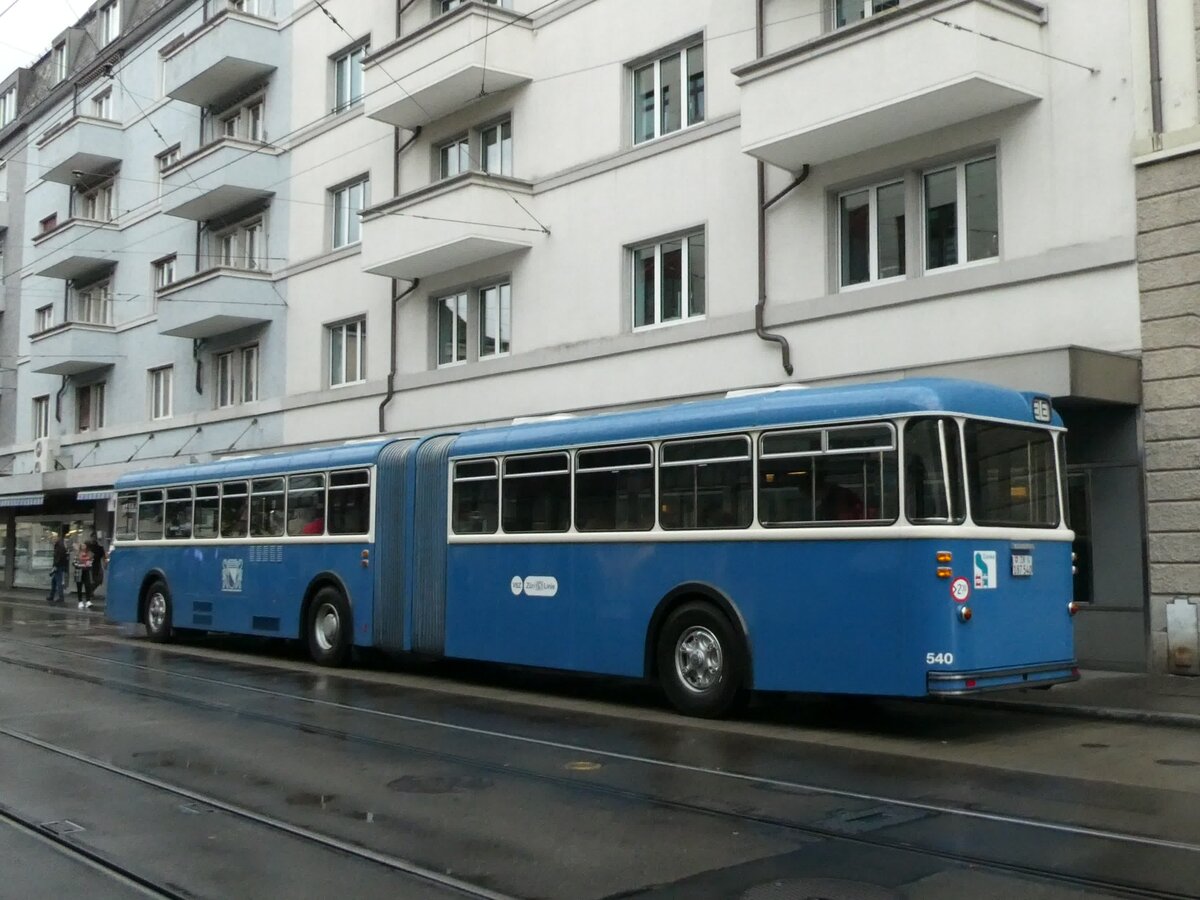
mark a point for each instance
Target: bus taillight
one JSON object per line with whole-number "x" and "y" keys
{"x": 964, "y": 614}
{"x": 1072, "y": 607}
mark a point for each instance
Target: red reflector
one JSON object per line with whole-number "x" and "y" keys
{"x": 1075, "y": 671}
{"x": 971, "y": 682}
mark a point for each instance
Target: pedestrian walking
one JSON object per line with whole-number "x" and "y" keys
{"x": 99, "y": 560}
{"x": 83, "y": 576}
{"x": 58, "y": 574}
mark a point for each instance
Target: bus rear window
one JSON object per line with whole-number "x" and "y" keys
{"x": 476, "y": 497}
{"x": 537, "y": 493}
{"x": 349, "y": 509}
{"x": 706, "y": 484}
{"x": 614, "y": 489}
{"x": 150, "y": 516}
{"x": 1011, "y": 476}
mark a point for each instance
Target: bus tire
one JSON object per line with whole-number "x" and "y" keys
{"x": 328, "y": 628}
{"x": 158, "y": 617}
{"x": 701, "y": 663}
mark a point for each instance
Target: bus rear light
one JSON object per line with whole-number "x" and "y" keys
{"x": 971, "y": 682}
{"x": 964, "y": 614}
{"x": 366, "y": 558}
{"x": 944, "y": 571}
{"x": 1072, "y": 607}
{"x": 944, "y": 556}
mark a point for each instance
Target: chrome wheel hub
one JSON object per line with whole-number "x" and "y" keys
{"x": 156, "y": 612}
{"x": 328, "y": 627}
{"x": 698, "y": 659}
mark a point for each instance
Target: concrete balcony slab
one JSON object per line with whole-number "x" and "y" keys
{"x": 221, "y": 177}
{"x": 911, "y": 70}
{"x": 445, "y": 65}
{"x": 76, "y": 250}
{"x": 79, "y": 146}
{"x": 218, "y": 301}
{"x": 73, "y": 349}
{"x": 448, "y": 225}
{"x": 229, "y": 53}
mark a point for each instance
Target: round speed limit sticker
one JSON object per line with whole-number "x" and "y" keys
{"x": 960, "y": 590}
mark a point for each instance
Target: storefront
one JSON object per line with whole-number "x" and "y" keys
{"x": 31, "y": 523}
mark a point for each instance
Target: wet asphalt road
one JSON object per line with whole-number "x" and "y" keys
{"x": 233, "y": 768}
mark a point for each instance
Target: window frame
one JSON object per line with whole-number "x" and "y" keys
{"x": 43, "y": 318}
{"x": 655, "y": 62}
{"x": 164, "y": 266}
{"x": 60, "y": 65}
{"x": 961, "y": 212}
{"x": 462, "y": 144}
{"x": 248, "y": 390}
{"x": 110, "y": 22}
{"x": 346, "y": 221}
{"x": 161, "y": 393}
{"x": 343, "y": 100}
{"x": 96, "y": 394}
{"x": 99, "y": 202}
{"x": 498, "y": 128}
{"x": 87, "y": 299}
{"x": 224, "y": 381}
{"x": 102, "y": 105}
{"x": 332, "y": 331}
{"x": 746, "y": 438}
{"x": 869, "y": 10}
{"x": 462, "y": 300}
{"x": 41, "y": 417}
{"x": 8, "y": 106}
{"x": 873, "y": 235}
{"x": 685, "y": 238}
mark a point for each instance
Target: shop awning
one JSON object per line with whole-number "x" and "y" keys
{"x": 106, "y": 494}
{"x": 22, "y": 500}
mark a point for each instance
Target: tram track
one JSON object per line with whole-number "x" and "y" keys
{"x": 575, "y": 784}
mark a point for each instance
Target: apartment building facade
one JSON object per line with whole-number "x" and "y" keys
{"x": 435, "y": 214}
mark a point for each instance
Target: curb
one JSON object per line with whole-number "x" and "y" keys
{"x": 1101, "y": 713}
{"x": 36, "y": 603}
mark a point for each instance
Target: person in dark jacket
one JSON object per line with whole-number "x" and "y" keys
{"x": 99, "y": 557}
{"x": 58, "y": 575}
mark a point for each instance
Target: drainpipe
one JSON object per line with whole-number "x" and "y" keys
{"x": 391, "y": 380}
{"x": 59, "y": 398}
{"x": 1156, "y": 106}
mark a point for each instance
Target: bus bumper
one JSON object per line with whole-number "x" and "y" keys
{"x": 950, "y": 684}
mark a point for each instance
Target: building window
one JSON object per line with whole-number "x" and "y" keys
{"x": 161, "y": 388}
{"x": 347, "y": 352}
{"x": 41, "y": 417}
{"x": 48, "y": 224}
{"x": 348, "y": 202}
{"x": 8, "y": 106}
{"x": 245, "y": 6}
{"x": 102, "y": 105}
{"x": 224, "y": 377}
{"x": 348, "y": 78}
{"x": 250, "y": 373}
{"x": 167, "y": 158}
{"x": 164, "y": 273}
{"x": 43, "y": 318}
{"x": 669, "y": 281}
{"x": 452, "y": 329}
{"x": 668, "y": 94}
{"x": 455, "y": 157}
{"x": 89, "y": 407}
{"x": 962, "y": 221}
{"x": 110, "y": 22}
{"x": 448, "y": 5}
{"x": 241, "y": 246}
{"x": 497, "y": 149}
{"x": 96, "y": 204}
{"x": 495, "y": 320}
{"x": 92, "y": 305}
{"x": 871, "y": 234}
{"x": 246, "y": 121}
{"x": 847, "y": 12}
{"x": 60, "y": 62}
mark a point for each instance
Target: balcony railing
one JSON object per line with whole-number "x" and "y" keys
{"x": 912, "y": 69}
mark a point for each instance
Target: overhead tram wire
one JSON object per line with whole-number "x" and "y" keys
{"x": 10, "y": 6}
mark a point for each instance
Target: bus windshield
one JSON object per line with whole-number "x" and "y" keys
{"x": 1011, "y": 475}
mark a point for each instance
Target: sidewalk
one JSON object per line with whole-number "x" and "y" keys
{"x": 34, "y": 597}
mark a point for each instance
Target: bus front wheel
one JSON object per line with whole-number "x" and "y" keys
{"x": 328, "y": 628}
{"x": 701, "y": 664}
{"x": 158, "y": 612}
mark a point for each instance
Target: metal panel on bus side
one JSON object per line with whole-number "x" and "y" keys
{"x": 428, "y": 576}
{"x": 392, "y": 502}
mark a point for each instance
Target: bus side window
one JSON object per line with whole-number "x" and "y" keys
{"x": 614, "y": 489}
{"x": 208, "y": 510}
{"x": 126, "y": 525}
{"x": 537, "y": 493}
{"x": 706, "y": 484}
{"x": 266, "y": 507}
{"x": 235, "y": 509}
{"x": 150, "y": 516}
{"x": 476, "y": 497}
{"x": 349, "y": 509}
{"x": 933, "y": 480}
{"x": 179, "y": 513}
{"x": 306, "y": 504}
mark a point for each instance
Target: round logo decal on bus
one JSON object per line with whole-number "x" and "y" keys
{"x": 517, "y": 585}
{"x": 960, "y": 590}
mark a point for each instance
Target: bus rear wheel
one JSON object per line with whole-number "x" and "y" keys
{"x": 701, "y": 664}
{"x": 328, "y": 628}
{"x": 158, "y": 617}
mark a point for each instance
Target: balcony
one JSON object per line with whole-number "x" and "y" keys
{"x": 221, "y": 177}
{"x": 217, "y": 302}
{"x": 450, "y": 224}
{"x": 3, "y": 210}
{"x": 80, "y": 144}
{"x": 230, "y": 52}
{"x": 450, "y": 65}
{"x": 825, "y": 99}
{"x": 76, "y": 250}
{"x": 73, "y": 348}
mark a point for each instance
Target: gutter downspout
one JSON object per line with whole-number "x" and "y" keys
{"x": 391, "y": 379}
{"x": 1156, "y": 105}
{"x": 760, "y": 307}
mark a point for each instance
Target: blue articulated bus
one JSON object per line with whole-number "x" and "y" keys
{"x": 904, "y": 538}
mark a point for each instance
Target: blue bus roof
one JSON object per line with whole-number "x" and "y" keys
{"x": 362, "y": 453}
{"x": 761, "y": 409}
